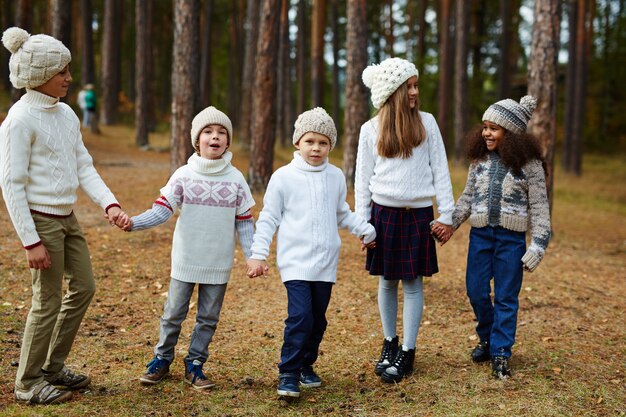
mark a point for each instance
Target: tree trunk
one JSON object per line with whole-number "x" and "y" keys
{"x": 542, "y": 79}
{"x": 301, "y": 56}
{"x": 356, "y": 107}
{"x": 61, "y": 11}
{"x": 264, "y": 99}
{"x": 571, "y": 79}
{"x": 445, "y": 71}
{"x": 234, "y": 64}
{"x": 143, "y": 69}
{"x": 110, "y": 80}
{"x": 87, "y": 71}
{"x": 317, "y": 52}
{"x": 6, "y": 21}
{"x": 205, "y": 59}
{"x": 23, "y": 19}
{"x": 421, "y": 37}
{"x": 336, "y": 109}
{"x": 283, "y": 78}
{"x": 252, "y": 34}
{"x": 504, "y": 70}
{"x": 460, "y": 79}
{"x": 185, "y": 79}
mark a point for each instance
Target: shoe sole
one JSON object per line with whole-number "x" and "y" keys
{"x": 200, "y": 388}
{"x": 311, "y": 384}
{"x": 481, "y": 360}
{"x": 394, "y": 378}
{"x": 146, "y": 381}
{"x": 291, "y": 394}
{"x": 65, "y": 397}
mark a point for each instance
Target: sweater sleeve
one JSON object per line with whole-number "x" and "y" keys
{"x": 364, "y": 170}
{"x": 269, "y": 219}
{"x": 356, "y": 224}
{"x": 15, "y": 150}
{"x": 160, "y": 212}
{"x": 244, "y": 224}
{"x": 89, "y": 179}
{"x": 539, "y": 211}
{"x": 441, "y": 173}
{"x": 463, "y": 207}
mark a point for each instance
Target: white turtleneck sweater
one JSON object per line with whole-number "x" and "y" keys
{"x": 210, "y": 195}
{"x": 43, "y": 161}
{"x": 403, "y": 182}
{"x": 307, "y": 204}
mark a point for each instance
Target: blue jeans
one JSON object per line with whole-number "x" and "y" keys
{"x": 495, "y": 252}
{"x": 305, "y": 325}
{"x": 210, "y": 298}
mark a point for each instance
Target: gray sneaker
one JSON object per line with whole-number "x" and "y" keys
{"x": 42, "y": 393}
{"x": 68, "y": 379}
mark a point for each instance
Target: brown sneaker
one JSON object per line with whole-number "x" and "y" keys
{"x": 42, "y": 393}
{"x": 67, "y": 379}
{"x": 195, "y": 377}
{"x": 157, "y": 370}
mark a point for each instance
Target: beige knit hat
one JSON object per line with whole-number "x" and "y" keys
{"x": 510, "y": 114}
{"x": 318, "y": 121}
{"x": 34, "y": 59}
{"x": 209, "y": 116}
{"x": 384, "y": 79}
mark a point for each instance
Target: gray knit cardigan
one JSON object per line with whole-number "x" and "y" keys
{"x": 495, "y": 196}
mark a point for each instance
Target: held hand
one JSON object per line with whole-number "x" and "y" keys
{"x": 442, "y": 232}
{"x": 113, "y": 214}
{"x": 128, "y": 226}
{"x": 256, "y": 268}
{"x": 38, "y": 257}
{"x": 364, "y": 245}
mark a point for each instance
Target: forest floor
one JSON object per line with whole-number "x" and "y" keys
{"x": 569, "y": 358}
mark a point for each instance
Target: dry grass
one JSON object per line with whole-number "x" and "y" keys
{"x": 568, "y": 360}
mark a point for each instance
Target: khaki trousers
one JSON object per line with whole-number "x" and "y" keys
{"x": 54, "y": 318}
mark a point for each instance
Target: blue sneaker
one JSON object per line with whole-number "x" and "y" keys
{"x": 288, "y": 385}
{"x": 195, "y": 377}
{"x": 309, "y": 379}
{"x": 157, "y": 370}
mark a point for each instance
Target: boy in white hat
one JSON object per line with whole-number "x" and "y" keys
{"x": 42, "y": 162}
{"x": 306, "y": 202}
{"x": 214, "y": 202}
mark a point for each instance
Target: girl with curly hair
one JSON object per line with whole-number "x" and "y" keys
{"x": 504, "y": 195}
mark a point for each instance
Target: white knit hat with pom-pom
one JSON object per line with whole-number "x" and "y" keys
{"x": 385, "y": 78}
{"x": 510, "y": 114}
{"x": 34, "y": 59}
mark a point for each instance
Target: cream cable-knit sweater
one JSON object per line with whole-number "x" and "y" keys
{"x": 398, "y": 182}
{"x": 307, "y": 204}
{"x": 43, "y": 161}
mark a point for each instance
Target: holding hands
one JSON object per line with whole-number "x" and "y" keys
{"x": 256, "y": 268}
{"x": 117, "y": 217}
{"x": 441, "y": 232}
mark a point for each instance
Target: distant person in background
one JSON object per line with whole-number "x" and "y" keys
{"x": 82, "y": 103}
{"x": 43, "y": 161}
{"x": 87, "y": 103}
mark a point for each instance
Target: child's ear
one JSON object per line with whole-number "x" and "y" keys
{"x": 297, "y": 144}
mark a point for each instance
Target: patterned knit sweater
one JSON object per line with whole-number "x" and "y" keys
{"x": 210, "y": 195}
{"x": 495, "y": 196}
{"x": 307, "y": 205}
{"x": 43, "y": 161}
{"x": 403, "y": 182}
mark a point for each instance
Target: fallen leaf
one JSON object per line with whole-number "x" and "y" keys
{"x": 546, "y": 339}
{"x": 473, "y": 337}
{"x": 556, "y": 370}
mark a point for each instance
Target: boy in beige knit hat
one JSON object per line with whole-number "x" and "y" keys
{"x": 42, "y": 163}
{"x": 305, "y": 204}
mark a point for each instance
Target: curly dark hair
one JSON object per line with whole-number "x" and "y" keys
{"x": 515, "y": 149}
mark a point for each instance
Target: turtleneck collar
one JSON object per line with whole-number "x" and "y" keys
{"x": 35, "y": 98}
{"x": 303, "y": 165}
{"x": 210, "y": 166}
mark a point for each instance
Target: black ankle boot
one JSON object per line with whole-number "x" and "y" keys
{"x": 388, "y": 353}
{"x": 481, "y": 352}
{"x": 401, "y": 366}
{"x": 500, "y": 368}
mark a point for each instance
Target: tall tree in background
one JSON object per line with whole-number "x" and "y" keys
{"x": 460, "y": 79}
{"x": 336, "y": 107}
{"x": 23, "y": 19}
{"x": 542, "y": 79}
{"x": 283, "y": 98}
{"x": 205, "y": 59}
{"x": 143, "y": 67}
{"x": 61, "y": 12}
{"x": 357, "y": 109}
{"x": 301, "y": 57}
{"x": 445, "y": 70}
{"x": 505, "y": 71}
{"x": 185, "y": 79}
{"x": 235, "y": 62}
{"x": 421, "y": 36}
{"x": 6, "y": 20}
{"x": 252, "y": 35}
{"x": 87, "y": 68}
{"x": 110, "y": 80}
{"x": 576, "y": 84}
{"x": 387, "y": 24}
{"x": 264, "y": 99}
{"x": 318, "y": 72}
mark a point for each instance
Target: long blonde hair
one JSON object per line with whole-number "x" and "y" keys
{"x": 400, "y": 126}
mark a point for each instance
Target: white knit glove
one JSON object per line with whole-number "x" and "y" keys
{"x": 531, "y": 260}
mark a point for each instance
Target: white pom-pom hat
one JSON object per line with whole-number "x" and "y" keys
{"x": 34, "y": 59}
{"x": 384, "y": 79}
{"x": 510, "y": 114}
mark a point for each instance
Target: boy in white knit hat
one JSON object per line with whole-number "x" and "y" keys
{"x": 43, "y": 161}
{"x": 306, "y": 202}
{"x": 214, "y": 201}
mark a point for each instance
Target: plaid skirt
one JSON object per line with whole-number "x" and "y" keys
{"x": 405, "y": 249}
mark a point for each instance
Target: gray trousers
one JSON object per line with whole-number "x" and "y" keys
{"x": 55, "y": 316}
{"x": 210, "y": 298}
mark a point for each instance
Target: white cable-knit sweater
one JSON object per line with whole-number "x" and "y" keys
{"x": 307, "y": 204}
{"x": 398, "y": 182}
{"x": 43, "y": 161}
